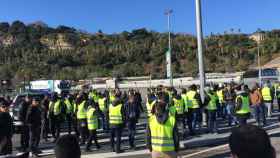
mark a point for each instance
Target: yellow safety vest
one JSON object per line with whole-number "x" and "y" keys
{"x": 55, "y": 107}
{"x": 69, "y": 106}
{"x": 212, "y": 105}
{"x": 92, "y": 121}
{"x": 149, "y": 107}
{"x": 220, "y": 96}
{"x": 81, "y": 113}
{"x": 112, "y": 98}
{"x": 192, "y": 102}
{"x": 179, "y": 105}
{"x": 101, "y": 103}
{"x": 162, "y": 134}
{"x": 115, "y": 115}
{"x": 245, "y": 105}
{"x": 185, "y": 99}
{"x": 266, "y": 94}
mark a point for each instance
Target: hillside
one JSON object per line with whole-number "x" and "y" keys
{"x": 37, "y": 51}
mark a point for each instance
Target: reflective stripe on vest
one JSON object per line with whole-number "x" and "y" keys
{"x": 101, "y": 103}
{"x": 245, "y": 105}
{"x": 266, "y": 94}
{"x": 69, "y": 106}
{"x": 149, "y": 107}
{"x": 192, "y": 102}
{"x": 179, "y": 105}
{"x": 81, "y": 113}
{"x": 212, "y": 105}
{"x": 92, "y": 121}
{"x": 162, "y": 134}
{"x": 115, "y": 116}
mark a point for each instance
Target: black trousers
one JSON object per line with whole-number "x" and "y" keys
{"x": 189, "y": 121}
{"x": 69, "y": 120}
{"x": 116, "y": 132}
{"x": 131, "y": 125}
{"x": 55, "y": 122}
{"x": 24, "y": 137}
{"x": 7, "y": 147}
{"x": 34, "y": 138}
{"x": 92, "y": 136}
{"x": 45, "y": 128}
{"x": 82, "y": 128}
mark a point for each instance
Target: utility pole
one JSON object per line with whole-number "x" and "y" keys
{"x": 168, "y": 53}
{"x": 259, "y": 65}
{"x": 200, "y": 49}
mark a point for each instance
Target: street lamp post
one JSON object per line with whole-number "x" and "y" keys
{"x": 168, "y": 53}
{"x": 200, "y": 49}
{"x": 259, "y": 65}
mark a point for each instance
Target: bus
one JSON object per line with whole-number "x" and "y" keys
{"x": 252, "y": 76}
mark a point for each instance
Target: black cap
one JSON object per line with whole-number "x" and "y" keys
{"x": 3, "y": 104}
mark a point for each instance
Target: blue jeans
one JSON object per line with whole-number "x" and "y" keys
{"x": 259, "y": 113}
{"x": 211, "y": 121}
{"x": 196, "y": 118}
{"x": 230, "y": 113}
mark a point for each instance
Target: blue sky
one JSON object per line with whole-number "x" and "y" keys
{"x": 118, "y": 15}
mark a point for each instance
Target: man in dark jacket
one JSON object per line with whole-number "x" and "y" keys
{"x": 164, "y": 126}
{"x": 34, "y": 120}
{"x": 24, "y": 137}
{"x": 116, "y": 121}
{"x": 45, "y": 122}
{"x": 132, "y": 114}
{"x": 6, "y": 132}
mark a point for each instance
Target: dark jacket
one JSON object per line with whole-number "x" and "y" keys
{"x": 162, "y": 119}
{"x": 132, "y": 111}
{"x": 115, "y": 103}
{"x": 6, "y": 125}
{"x": 34, "y": 116}
{"x": 23, "y": 107}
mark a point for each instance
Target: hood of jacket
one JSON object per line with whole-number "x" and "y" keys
{"x": 162, "y": 118}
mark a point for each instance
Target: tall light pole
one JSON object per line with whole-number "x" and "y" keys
{"x": 168, "y": 53}
{"x": 200, "y": 48}
{"x": 259, "y": 65}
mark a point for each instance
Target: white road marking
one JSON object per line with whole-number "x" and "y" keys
{"x": 217, "y": 147}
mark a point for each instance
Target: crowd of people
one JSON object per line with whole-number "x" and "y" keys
{"x": 168, "y": 111}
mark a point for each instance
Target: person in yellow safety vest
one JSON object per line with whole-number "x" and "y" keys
{"x": 103, "y": 107}
{"x": 267, "y": 99}
{"x": 151, "y": 101}
{"x": 81, "y": 105}
{"x": 116, "y": 121}
{"x": 69, "y": 102}
{"x": 178, "y": 103}
{"x": 278, "y": 95}
{"x": 55, "y": 115}
{"x": 221, "y": 108}
{"x": 242, "y": 107}
{"x": 92, "y": 124}
{"x": 211, "y": 101}
{"x": 194, "y": 104}
{"x": 162, "y": 133}
{"x": 112, "y": 96}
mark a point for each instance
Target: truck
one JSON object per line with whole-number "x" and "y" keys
{"x": 50, "y": 86}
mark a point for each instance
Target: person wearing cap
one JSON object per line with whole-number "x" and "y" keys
{"x": 6, "y": 129}
{"x": 34, "y": 120}
{"x": 24, "y": 133}
{"x": 69, "y": 102}
{"x": 92, "y": 124}
{"x": 194, "y": 105}
{"x": 55, "y": 115}
{"x": 103, "y": 106}
{"x": 82, "y": 105}
{"x": 242, "y": 105}
{"x": 116, "y": 121}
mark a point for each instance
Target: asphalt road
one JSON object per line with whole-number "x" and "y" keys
{"x": 200, "y": 146}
